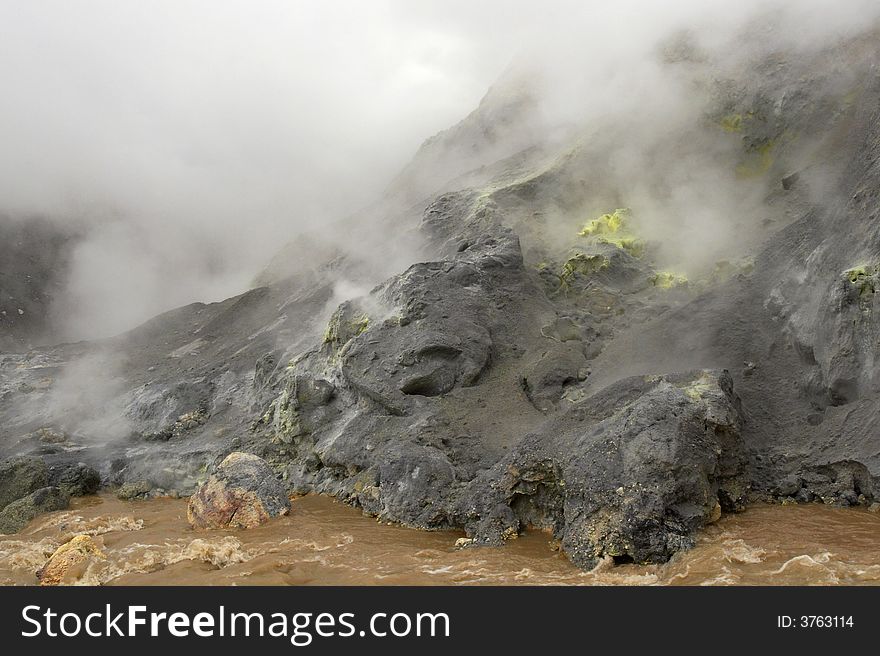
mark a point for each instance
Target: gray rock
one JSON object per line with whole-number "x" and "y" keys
{"x": 630, "y": 473}
{"x": 76, "y": 479}
{"x": 21, "y": 476}
{"x": 843, "y": 483}
{"x": 134, "y": 490}
{"x": 304, "y": 404}
{"x": 18, "y": 514}
{"x": 545, "y": 381}
{"x": 789, "y": 181}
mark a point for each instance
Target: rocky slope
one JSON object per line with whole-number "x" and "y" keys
{"x": 575, "y": 349}
{"x": 34, "y": 256}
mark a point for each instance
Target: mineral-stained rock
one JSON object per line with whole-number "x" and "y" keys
{"x": 242, "y": 493}
{"x": 69, "y": 560}
{"x": 303, "y": 404}
{"x": 21, "y": 476}
{"x": 630, "y": 473}
{"x": 77, "y": 479}
{"x": 17, "y": 514}
{"x": 133, "y": 490}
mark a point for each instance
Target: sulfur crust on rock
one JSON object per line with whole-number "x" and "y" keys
{"x": 734, "y": 122}
{"x": 341, "y": 329}
{"x": 584, "y": 264}
{"x": 611, "y": 223}
{"x": 668, "y": 280}
{"x": 613, "y": 229}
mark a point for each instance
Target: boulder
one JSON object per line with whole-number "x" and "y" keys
{"x": 70, "y": 560}
{"x": 243, "y": 492}
{"x": 134, "y": 490}
{"x": 21, "y": 476}
{"x": 17, "y": 514}
{"x": 77, "y": 479}
{"x": 545, "y": 381}
{"x": 430, "y": 330}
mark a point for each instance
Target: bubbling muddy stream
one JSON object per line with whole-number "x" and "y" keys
{"x": 323, "y": 542}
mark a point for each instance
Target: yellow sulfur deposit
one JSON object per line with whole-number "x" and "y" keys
{"x": 607, "y": 224}
{"x": 668, "y": 280}
{"x": 734, "y": 122}
{"x": 613, "y": 229}
{"x": 583, "y": 264}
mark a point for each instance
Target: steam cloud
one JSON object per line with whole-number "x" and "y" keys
{"x": 192, "y": 139}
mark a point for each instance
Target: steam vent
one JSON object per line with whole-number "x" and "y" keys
{"x": 619, "y": 316}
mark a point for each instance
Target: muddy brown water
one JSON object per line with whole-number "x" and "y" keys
{"x": 323, "y": 542}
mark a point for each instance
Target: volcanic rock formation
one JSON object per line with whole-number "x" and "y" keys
{"x": 544, "y": 361}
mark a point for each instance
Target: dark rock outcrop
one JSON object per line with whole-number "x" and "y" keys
{"x": 21, "y": 476}
{"x": 76, "y": 479}
{"x": 17, "y": 514}
{"x": 29, "y": 487}
{"x": 134, "y": 490}
{"x": 844, "y": 483}
{"x": 630, "y": 473}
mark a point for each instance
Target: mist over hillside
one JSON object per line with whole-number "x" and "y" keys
{"x": 626, "y": 289}
{"x": 188, "y": 148}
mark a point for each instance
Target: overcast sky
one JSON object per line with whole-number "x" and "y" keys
{"x": 109, "y": 101}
